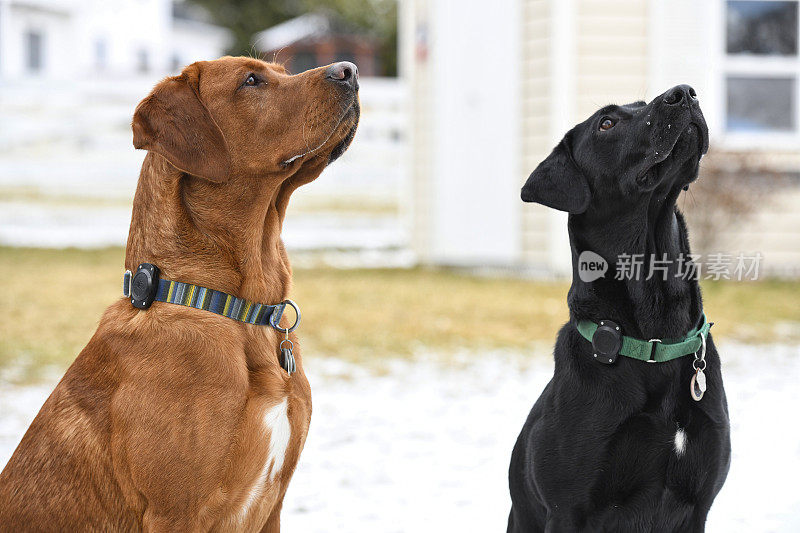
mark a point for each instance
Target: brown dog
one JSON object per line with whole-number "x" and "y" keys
{"x": 174, "y": 418}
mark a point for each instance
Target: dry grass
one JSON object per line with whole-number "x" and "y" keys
{"x": 52, "y": 299}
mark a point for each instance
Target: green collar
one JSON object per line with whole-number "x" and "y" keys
{"x": 653, "y": 350}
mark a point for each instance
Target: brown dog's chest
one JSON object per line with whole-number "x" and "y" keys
{"x": 265, "y": 454}
{"x": 269, "y": 440}
{"x": 238, "y": 419}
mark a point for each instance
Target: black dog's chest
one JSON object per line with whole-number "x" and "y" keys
{"x": 611, "y": 459}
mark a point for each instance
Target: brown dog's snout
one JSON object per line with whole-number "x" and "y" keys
{"x": 343, "y": 72}
{"x": 680, "y": 94}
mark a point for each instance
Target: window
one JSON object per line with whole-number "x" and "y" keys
{"x": 762, "y": 67}
{"x": 763, "y": 28}
{"x": 34, "y": 51}
{"x": 761, "y": 104}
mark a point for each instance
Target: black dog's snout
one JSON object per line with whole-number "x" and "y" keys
{"x": 343, "y": 72}
{"x": 680, "y": 94}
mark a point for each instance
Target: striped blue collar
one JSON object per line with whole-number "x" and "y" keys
{"x": 143, "y": 292}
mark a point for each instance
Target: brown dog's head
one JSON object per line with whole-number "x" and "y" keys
{"x": 238, "y": 116}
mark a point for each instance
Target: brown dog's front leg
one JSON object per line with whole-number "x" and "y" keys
{"x": 273, "y": 524}
{"x": 151, "y": 523}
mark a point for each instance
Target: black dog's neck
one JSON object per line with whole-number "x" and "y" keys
{"x": 665, "y": 306}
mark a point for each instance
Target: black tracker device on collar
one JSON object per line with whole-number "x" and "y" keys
{"x": 144, "y": 285}
{"x": 606, "y": 342}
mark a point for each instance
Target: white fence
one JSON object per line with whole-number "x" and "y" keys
{"x": 68, "y": 169}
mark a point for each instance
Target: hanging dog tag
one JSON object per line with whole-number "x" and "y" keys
{"x": 287, "y": 357}
{"x": 701, "y": 380}
{"x": 697, "y": 387}
{"x": 287, "y": 360}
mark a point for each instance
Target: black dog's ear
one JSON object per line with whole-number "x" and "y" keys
{"x": 558, "y": 182}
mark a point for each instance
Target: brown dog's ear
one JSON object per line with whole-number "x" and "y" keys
{"x": 558, "y": 182}
{"x": 174, "y": 123}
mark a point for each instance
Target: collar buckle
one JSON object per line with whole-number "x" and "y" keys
{"x": 126, "y": 284}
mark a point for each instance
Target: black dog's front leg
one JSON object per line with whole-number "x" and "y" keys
{"x": 519, "y": 523}
{"x": 697, "y": 522}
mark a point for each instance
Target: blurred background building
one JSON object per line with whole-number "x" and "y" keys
{"x": 494, "y": 90}
{"x": 315, "y": 39}
{"x": 460, "y": 101}
{"x": 68, "y": 40}
{"x": 71, "y": 73}
{"x": 459, "y": 105}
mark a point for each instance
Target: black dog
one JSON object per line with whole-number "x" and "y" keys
{"x": 615, "y": 443}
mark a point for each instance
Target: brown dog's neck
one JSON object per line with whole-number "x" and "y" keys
{"x": 224, "y": 236}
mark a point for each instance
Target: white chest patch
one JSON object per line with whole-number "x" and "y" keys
{"x": 680, "y": 442}
{"x": 276, "y": 425}
{"x": 277, "y": 421}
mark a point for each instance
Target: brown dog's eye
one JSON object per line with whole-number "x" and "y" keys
{"x": 606, "y": 124}
{"x": 251, "y": 80}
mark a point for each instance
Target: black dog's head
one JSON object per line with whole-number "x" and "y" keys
{"x": 624, "y": 154}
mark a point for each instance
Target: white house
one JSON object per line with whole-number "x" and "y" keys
{"x": 73, "y": 39}
{"x": 71, "y": 74}
{"x": 495, "y": 86}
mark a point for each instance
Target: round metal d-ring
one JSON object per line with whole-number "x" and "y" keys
{"x": 284, "y": 341}
{"x": 297, "y": 318}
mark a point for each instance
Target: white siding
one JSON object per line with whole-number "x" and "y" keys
{"x": 578, "y": 55}
{"x": 536, "y": 130}
{"x": 416, "y": 68}
{"x": 612, "y": 54}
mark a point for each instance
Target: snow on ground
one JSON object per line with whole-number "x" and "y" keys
{"x": 425, "y": 444}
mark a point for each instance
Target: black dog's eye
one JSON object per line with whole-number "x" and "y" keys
{"x": 606, "y": 124}
{"x": 252, "y": 80}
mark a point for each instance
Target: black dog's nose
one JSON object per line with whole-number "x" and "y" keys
{"x": 343, "y": 72}
{"x": 680, "y": 94}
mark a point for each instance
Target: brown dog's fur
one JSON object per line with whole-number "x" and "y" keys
{"x": 159, "y": 425}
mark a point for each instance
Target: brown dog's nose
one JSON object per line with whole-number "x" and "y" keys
{"x": 343, "y": 72}
{"x": 680, "y": 94}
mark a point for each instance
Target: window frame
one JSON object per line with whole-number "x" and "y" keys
{"x": 758, "y": 66}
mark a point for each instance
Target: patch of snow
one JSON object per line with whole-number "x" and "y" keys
{"x": 424, "y": 445}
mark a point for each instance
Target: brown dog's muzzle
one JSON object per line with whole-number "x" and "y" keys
{"x": 343, "y": 76}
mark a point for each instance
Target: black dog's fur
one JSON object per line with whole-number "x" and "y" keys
{"x": 597, "y": 452}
